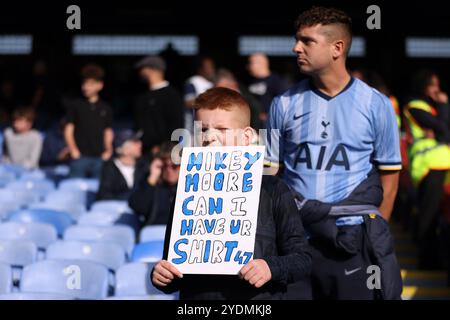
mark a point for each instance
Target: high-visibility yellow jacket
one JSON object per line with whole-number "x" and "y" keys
{"x": 425, "y": 153}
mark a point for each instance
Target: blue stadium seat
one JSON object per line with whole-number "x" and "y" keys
{"x": 8, "y": 206}
{"x": 18, "y": 253}
{"x": 117, "y": 206}
{"x": 20, "y": 197}
{"x": 119, "y": 234}
{"x": 60, "y": 220}
{"x": 41, "y": 234}
{"x": 75, "y": 210}
{"x": 6, "y": 283}
{"x": 67, "y": 196}
{"x": 133, "y": 279}
{"x": 152, "y": 233}
{"x": 109, "y": 254}
{"x": 6, "y": 177}
{"x": 17, "y": 170}
{"x": 150, "y": 252}
{"x": 83, "y": 184}
{"x": 75, "y": 278}
{"x": 36, "y": 174}
{"x": 34, "y": 296}
{"x": 98, "y": 218}
{"x": 39, "y": 187}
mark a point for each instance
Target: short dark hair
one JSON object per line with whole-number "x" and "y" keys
{"x": 421, "y": 80}
{"x": 325, "y": 16}
{"x": 24, "y": 112}
{"x": 92, "y": 71}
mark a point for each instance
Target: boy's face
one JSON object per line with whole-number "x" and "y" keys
{"x": 21, "y": 124}
{"x": 223, "y": 128}
{"x": 91, "y": 87}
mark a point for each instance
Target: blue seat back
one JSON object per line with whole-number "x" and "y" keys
{"x": 150, "y": 252}
{"x": 41, "y": 234}
{"x": 5, "y": 278}
{"x": 75, "y": 278}
{"x": 60, "y": 220}
{"x": 152, "y": 233}
{"x": 18, "y": 253}
{"x": 116, "y": 206}
{"x": 109, "y": 254}
{"x": 119, "y": 234}
{"x": 133, "y": 279}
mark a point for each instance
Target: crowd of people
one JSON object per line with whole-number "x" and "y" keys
{"x": 135, "y": 163}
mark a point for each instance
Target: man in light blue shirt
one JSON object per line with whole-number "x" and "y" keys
{"x": 335, "y": 131}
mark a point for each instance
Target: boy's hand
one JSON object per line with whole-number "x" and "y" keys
{"x": 75, "y": 154}
{"x": 256, "y": 272}
{"x": 164, "y": 272}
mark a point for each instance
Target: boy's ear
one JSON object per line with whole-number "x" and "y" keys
{"x": 249, "y": 134}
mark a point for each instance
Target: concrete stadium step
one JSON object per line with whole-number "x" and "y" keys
{"x": 409, "y": 263}
{"x": 425, "y": 293}
{"x": 417, "y": 285}
{"x": 415, "y": 278}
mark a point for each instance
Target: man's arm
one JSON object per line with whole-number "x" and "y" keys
{"x": 70, "y": 140}
{"x": 108, "y": 136}
{"x": 389, "y": 182}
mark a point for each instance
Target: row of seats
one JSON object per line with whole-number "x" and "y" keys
{"x": 48, "y": 237}
{"x": 78, "y": 279}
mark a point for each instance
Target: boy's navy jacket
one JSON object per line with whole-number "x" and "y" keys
{"x": 280, "y": 240}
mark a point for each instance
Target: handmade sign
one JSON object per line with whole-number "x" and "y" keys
{"x": 216, "y": 209}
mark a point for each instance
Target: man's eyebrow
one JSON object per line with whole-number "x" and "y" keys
{"x": 303, "y": 38}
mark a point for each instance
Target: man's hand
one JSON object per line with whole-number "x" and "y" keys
{"x": 155, "y": 171}
{"x": 164, "y": 273}
{"x": 106, "y": 155}
{"x": 256, "y": 272}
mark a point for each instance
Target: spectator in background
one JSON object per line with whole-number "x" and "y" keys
{"x": 88, "y": 132}
{"x": 264, "y": 84}
{"x": 426, "y": 117}
{"x": 23, "y": 143}
{"x": 159, "y": 111}
{"x": 197, "y": 84}
{"x": 226, "y": 79}
{"x": 121, "y": 174}
{"x": 8, "y": 101}
{"x": 55, "y": 150}
{"x": 153, "y": 198}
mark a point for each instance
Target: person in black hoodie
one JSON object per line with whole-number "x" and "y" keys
{"x": 153, "y": 196}
{"x": 122, "y": 173}
{"x": 282, "y": 262}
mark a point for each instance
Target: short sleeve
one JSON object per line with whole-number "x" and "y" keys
{"x": 70, "y": 115}
{"x": 109, "y": 117}
{"x": 387, "y": 142}
{"x": 189, "y": 92}
{"x": 274, "y": 137}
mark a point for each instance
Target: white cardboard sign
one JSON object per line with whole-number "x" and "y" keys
{"x": 216, "y": 209}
